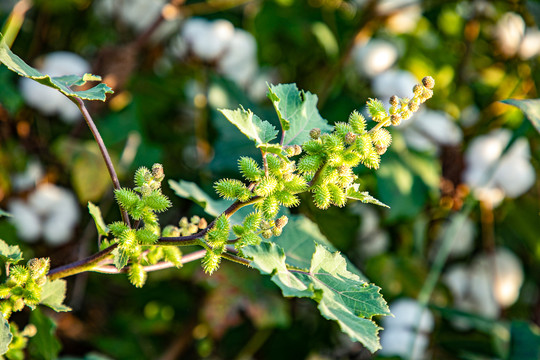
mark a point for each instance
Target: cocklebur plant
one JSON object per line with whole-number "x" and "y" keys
{"x": 311, "y": 156}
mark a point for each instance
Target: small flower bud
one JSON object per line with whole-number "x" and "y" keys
{"x": 350, "y": 138}
{"x": 315, "y": 133}
{"x": 289, "y": 150}
{"x": 203, "y": 224}
{"x": 394, "y": 100}
{"x": 18, "y": 305}
{"x": 267, "y": 234}
{"x": 417, "y": 89}
{"x": 395, "y": 119}
{"x": 428, "y": 82}
{"x": 406, "y": 115}
{"x": 413, "y": 106}
{"x": 427, "y": 94}
{"x": 277, "y": 231}
{"x": 157, "y": 172}
{"x": 281, "y": 222}
{"x": 381, "y": 149}
{"x": 30, "y": 330}
{"x": 193, "y": 228}
{"x": 343, "y": 170}
{"x": 297, "y": 149}
{"x": 195, "y": 219}
{"x": 183, "y": 222}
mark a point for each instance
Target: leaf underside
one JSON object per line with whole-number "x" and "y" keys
{"x": 531, "y": 109}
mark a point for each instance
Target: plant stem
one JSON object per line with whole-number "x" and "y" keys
{"x": 104, "y": 152}
{"x": 159, "y": 266}
{"x": 83, "y": 265}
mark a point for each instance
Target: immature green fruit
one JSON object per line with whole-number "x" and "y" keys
{"x": 277, "y": 231}
{"x": 211, "y": 262}
{"x": 137, "y": 275}
{"x": 357, "y": 122}
{"x": 174, "y": 255}
{"x": 315, "y": 133}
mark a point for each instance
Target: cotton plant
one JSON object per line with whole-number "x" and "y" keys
{"x": 139, "y": 15}
{"x": 29, "y": 178}
{"x": 46, "y": 100}
{"x": 406, "y": 334}
{"x": 231, "y": 50}
{"x": 514, "y": 38}
{"x": 462, "y": 240}
{"x": 494, "y": 173}
{"x": 51, "y": 212}
{"x": 490, "y": 282}
{"x": 374, "y": 56}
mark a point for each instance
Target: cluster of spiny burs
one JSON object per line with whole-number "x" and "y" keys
{"x": 324, "y": 168}
{"x": 23, "y": 285}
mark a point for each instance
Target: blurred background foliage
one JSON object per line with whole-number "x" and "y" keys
{"x": 462, "y": 234}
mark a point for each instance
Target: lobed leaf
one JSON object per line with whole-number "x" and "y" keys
{"x": 251, "y": 125}
{"x": 5, "y": 336}
{"x": 53, "y": 295}
{"x": 297, "y": 112}
{"x": 342, "y": 295}
{"x": 363, "y": 196}
{"x": 61, "y": 83}
{"x": 10, "y": 253}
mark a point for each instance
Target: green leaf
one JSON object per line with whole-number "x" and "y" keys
{"x": 299, "y": 240}
{"x": 5, "y": 336}
{"x": 4, "y": 213}
{"x": 524, "y": 341}
{"x": 61, "y": 83}
{"x": 44, "y": 345}
{"x": 273, "y": 149}
{"x": 251, "y": 125}
{"x": 10, "y": 253}
{"x": 531, "y": 109}
{"x": 95, "y": 212}
{"x": 53, "y": 295}
{"x": 121, "y": 258}
{"x": 342, "y": 295}
{"x": 297, "y": 112}
{"x": 363, "y": 196}
{"x": 191, "y": 191}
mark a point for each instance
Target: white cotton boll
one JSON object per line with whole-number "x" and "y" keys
{"x": 404, "y": 21}
{"x": 211, "y": 42}
{"x": 481, "y": 288}
{"x": 508, "y": 33}
{"x": 514, "y": 173}
{"x": 178, "y": 47}
{"x": 239, "y": 63}
{"x": 374, "y": 57}
{"x": 50, "y": 101}
{"x": 439, "y": 127}
{"x": 457, "y": 280}
{"x": 192, "y": 28}
{"x": 400, "y": 342}
{"x": 258, "y": 87}
{"x": 387, "y": 6}
{"x": 482, "y": 154}
{"x": 25, "y": 220}
{"x": 417, "y": 140}
{"x": 56, "y": 231}
{"x": 45, "y": 198}
{"x": 407, "y": 316}
{"x": 393, "y": 82}
{"x": 530, "y": 44}
{"x": 29, "y": 178}
{"x": 369, "y": 220}
{"x": 463, "y": 239}
{"x": 508, "y": 277}
{"x": 140, "y": 14}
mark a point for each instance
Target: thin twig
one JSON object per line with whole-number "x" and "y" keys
{"x": 104, "y": 152}
{"x": 159, "y": 266}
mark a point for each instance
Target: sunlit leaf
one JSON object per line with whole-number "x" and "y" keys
{"x": 61, "y": 83}
{"x": 10, "y": 253}
{"x": 53, "y": 295}
{"x": 298, "y": 113}
{"x": 5, "y": 336}
{"x": 95, "y": 212}
{"x": 251, "y": 125}
{"x": 342, "y": 295}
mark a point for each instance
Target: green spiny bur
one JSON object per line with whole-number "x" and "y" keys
{"x": 250, "y": 169}
{"x": 157, "y": 201}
